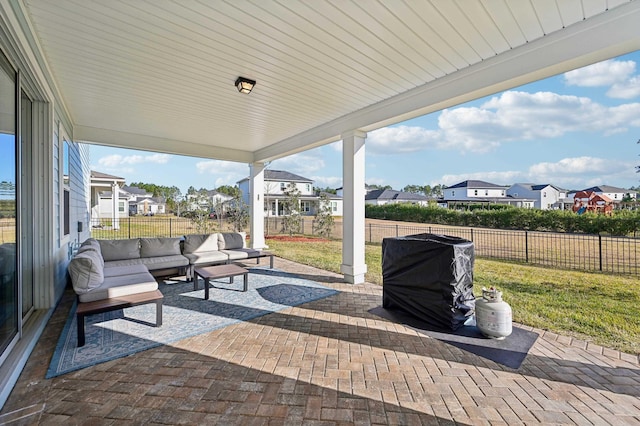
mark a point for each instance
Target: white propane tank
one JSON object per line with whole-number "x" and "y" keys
{"x": 493, "y": 315}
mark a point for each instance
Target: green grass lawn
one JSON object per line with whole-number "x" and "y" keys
{"x": 604, "y": 309}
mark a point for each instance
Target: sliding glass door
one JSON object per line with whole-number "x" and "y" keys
{"x": 9, "y": 314}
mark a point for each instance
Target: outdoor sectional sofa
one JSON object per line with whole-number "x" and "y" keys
{"x": 112, "y": 274}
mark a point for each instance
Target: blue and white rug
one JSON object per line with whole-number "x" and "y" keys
{"x": 185, "y": 313}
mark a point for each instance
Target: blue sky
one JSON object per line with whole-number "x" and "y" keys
{"x": 574, "y": 130}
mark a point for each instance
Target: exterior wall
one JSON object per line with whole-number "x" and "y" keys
{"x": 469, "y": 194}
{"x": 105, "y": 209}
{"x": 42, "y": 219}
{"x": 485, "y": 193}
{"x": 519, "y": 191}
{"x": 278, "y": 187}
{"x": 547, "y": 198}
{"x": 615, "y": 196}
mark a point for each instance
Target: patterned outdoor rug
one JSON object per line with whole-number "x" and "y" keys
{"x": 185, "y": 313}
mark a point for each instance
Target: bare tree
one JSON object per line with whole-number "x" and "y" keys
{"x": 238, "y": 214}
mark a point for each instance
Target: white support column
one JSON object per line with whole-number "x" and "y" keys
{"x": 256, "y": 205}
{"x": 115, "y": 213}
{"x": 353, "y": 266}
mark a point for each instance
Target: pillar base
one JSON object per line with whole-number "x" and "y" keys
{"x": 354, "y": 274}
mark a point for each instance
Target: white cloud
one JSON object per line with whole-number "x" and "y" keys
{"x": 626, "y": 90}
{"x": 402, "y": 139}
{"x": 327, "y": 181}
{"x": 569, "y": 173}
{"x": 117, "y": 160}
{"x": 510, "y": 117}
{"x": 518, "y": 116}
{"x": 605, "y": 73}
{"x": 224, "y": 172}
{"x": 618, "y": 75}
{"x": 303, "y": 164}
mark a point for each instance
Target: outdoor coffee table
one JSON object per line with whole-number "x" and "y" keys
{"x": 219, "y": 271}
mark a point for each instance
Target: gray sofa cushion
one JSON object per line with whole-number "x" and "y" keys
{"x": 86, "y": 271}
{"x": 245, "y": 253}
{"x": 112, "y": 270}
{"x": 123, "y": 262}
{"x": 152, "y": 247}
{"x": 231, "y": 240}
{"x": 120, "y": 249}
{"x": 122, "y": 285}
{"x": 200, "y": 243}
{"x": 164, "y": 262}
{"x": 206, "y": 257}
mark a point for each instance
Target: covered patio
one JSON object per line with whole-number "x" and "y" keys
{"x": 160, "y": 76}
{"x": 329, "y": 362}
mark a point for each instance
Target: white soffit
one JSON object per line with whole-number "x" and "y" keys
{"x": 159, "y": 75}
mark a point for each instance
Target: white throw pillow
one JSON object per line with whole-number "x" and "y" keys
{"x": 200, "y": 242}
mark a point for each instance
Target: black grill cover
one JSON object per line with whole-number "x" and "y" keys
{"x": 429, "y": 276}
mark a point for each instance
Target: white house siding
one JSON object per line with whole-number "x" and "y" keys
{"x": 473, "y": 193}
{"x": 540, "y": 201}
{"x": 469, "y": 194}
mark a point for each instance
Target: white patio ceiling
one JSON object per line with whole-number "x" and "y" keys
{"x": 158, "y": 75}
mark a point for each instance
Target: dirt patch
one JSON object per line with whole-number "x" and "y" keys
{"x": 296, "y": 239}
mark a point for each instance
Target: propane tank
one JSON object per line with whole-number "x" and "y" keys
{"x": 493, "y": 315}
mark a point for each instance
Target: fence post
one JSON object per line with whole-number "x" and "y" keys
{"x": 397, "y": 231}
{"x": 170, "y": 231}
{"x": 600, "y": 250}
{"x": 471, "y": 234}
{"x": 526, "y": 246}
{"x": 129, "y": 217}
{"x": 370, "y": 238}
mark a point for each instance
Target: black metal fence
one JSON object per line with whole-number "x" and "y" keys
{"x": 616, "y": 255}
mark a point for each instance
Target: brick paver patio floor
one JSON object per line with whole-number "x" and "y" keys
{"x": 325, "y": 363}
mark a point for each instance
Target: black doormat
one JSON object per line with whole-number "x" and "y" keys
{"x": 510, "y": 351}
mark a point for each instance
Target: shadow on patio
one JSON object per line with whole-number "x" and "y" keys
{"x": 331, "y": 362}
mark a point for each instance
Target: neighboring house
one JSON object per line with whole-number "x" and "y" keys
{"x": 208, "y": 200}
{"x": 381, "y": 197}
{"x": 128, "y": 201}
{"x": 612, "y": 192}
{"x": 103, "y": 204}
{"x": 545, "y": 196}
{"x": 275, "y": 184}
{"x": 478, "y": 191}
{"x": 143, "y": 202}
{"x": 475, "y": 190}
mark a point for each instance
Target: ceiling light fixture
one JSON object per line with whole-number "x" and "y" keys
{"x": 245, "y": 85}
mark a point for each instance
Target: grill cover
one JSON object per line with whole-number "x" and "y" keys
{"x": 429, "y": 276}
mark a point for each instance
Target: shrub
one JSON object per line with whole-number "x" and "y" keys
{"x": 622, "y": 222}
